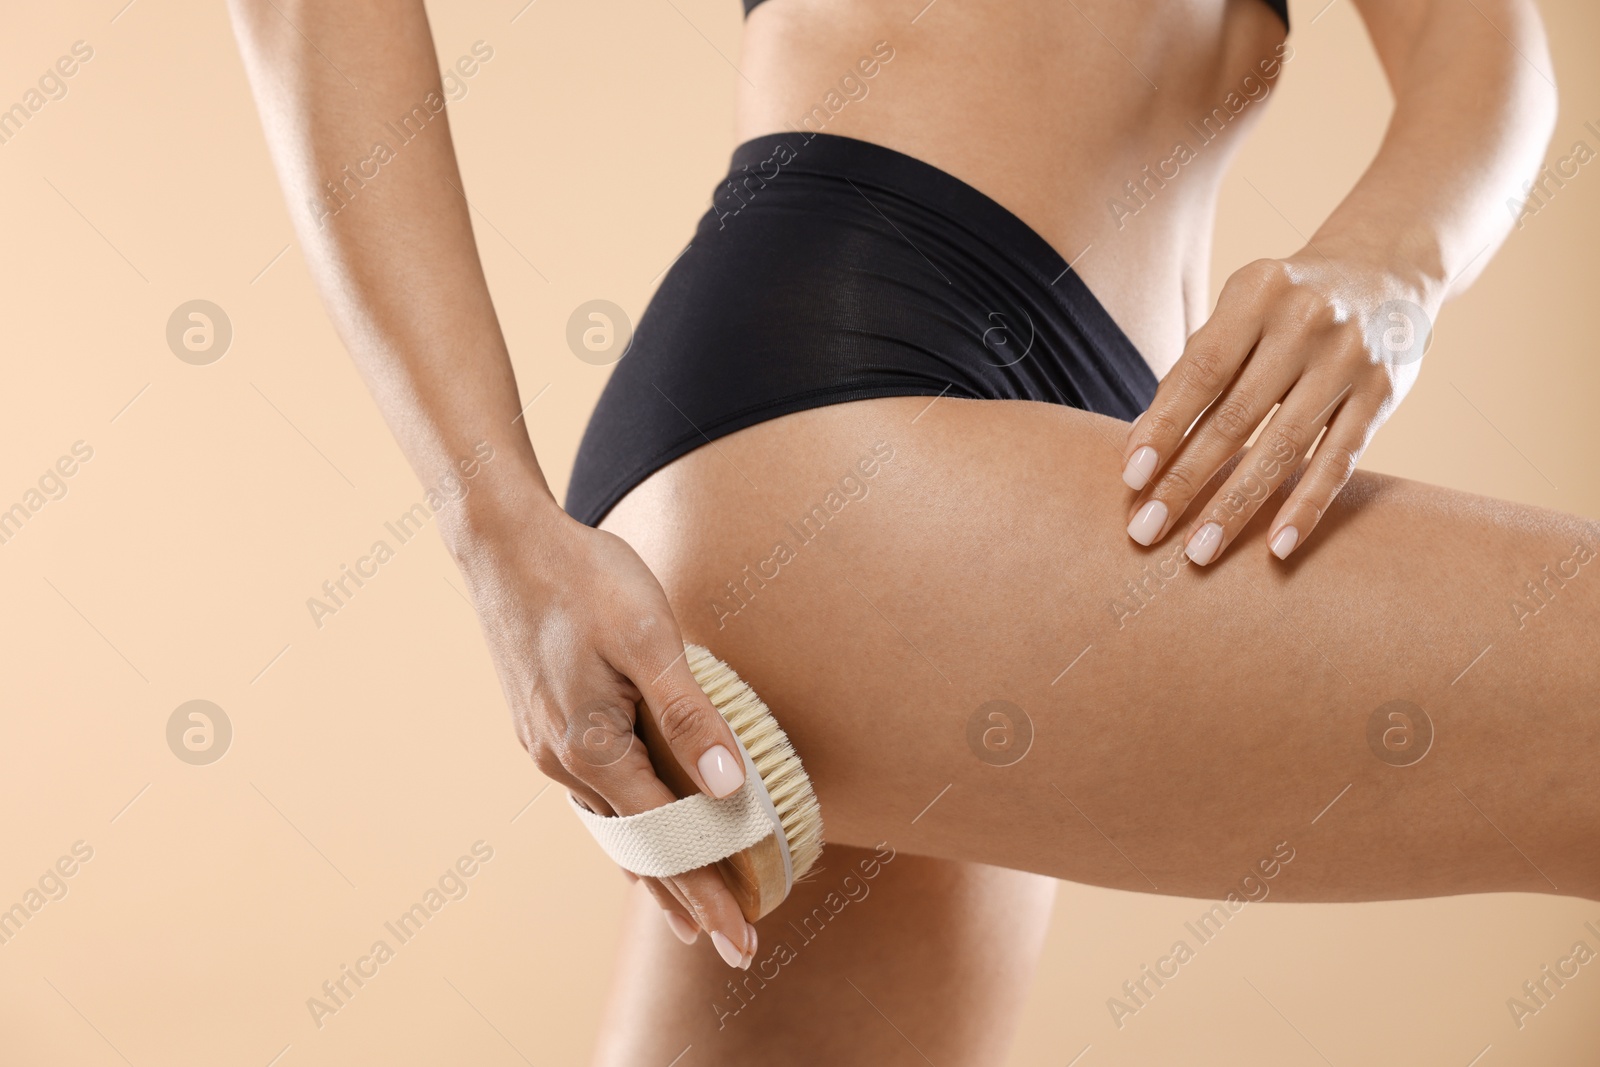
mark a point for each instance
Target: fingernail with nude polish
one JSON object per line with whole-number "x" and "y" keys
{"x": 750, "y": 955}
{"x": 686, "y": 931}
{"x": 1202, "y": 547}
{"x": 1284, "y": 543}
{"x": 1147, "y": 523}
{"x": 1141, "y": 465}
{"x": 722, "y": 773}
{"x": 730, "y": 955}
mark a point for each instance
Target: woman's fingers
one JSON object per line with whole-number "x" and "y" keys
{"x": 1209, "y": 362}
{"x": 588, "y": 652}
{"x": 1217, "y": 438}
{"x": 707, "y": 896}
{"x": 676, "y": 912}
{"x": 1330, "y": 468}
{"x": 700, "y": 739}
{"x": 1297, "y": 334}
{"x": 641, "y": 670}
{"x": 628, "y": 786}
{"x": 606, "y": 765}
{"x": 679, "y": 921}
{"x": 702, "y": 743}
{"x": 1269, "y": 463}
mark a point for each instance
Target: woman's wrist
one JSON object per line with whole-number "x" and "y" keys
{"x": 507, "y": 504}
{"x": 1403, "y": 264}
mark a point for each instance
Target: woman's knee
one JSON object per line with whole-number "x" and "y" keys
{"x": 874, "y": 932}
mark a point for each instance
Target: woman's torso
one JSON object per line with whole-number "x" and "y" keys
{"x": 1049, "y": 109}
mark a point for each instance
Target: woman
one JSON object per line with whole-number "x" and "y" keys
{"x": 866, "y": 446}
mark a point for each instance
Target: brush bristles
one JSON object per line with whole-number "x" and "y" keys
{"x": 770, "y": 751}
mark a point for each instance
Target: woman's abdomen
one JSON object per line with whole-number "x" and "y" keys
{"x": 1052, "y": 110}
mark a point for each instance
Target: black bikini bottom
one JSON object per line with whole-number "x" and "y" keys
{"x": 830, "y": 269}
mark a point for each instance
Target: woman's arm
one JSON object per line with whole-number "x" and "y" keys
{"x": 386, "y": 233}
{"x": 1336, "y": 332}
{"x": 1475, "y": 105}
{"x": 353, "y": 109}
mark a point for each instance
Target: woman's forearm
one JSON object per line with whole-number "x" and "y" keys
{"x": 579, "y": 629}
{"x": 1316, "y": 340}
{"x": 351, "y": 102}
{"x": 1474, "y": 110}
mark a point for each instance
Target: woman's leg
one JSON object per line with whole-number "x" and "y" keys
{"x": 880, "y": 957}
{"x": 881, "y": 571}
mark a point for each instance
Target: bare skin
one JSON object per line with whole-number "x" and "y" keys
{"x": 861, "y": 955}
{"x": 1181, "y": 737}
{"x": 1215, "y": 711}
{"x": 988, "y": 555}
{"x": 1062, "y": 113}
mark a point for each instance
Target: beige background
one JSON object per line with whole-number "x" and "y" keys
{"x": 370, "y": 754}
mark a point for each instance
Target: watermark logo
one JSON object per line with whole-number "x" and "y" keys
{"x": 852, "y": 86}
{"x": 51, "y": 86}
{"x": 1400, "y": 332}
{"x": 599, "y": 332}
{"x": 1008, "y": 339}
{"x": 339, "y": 192}
{"x": 199, "y": 732}
{"x": 999, "y": 733}
{"x": 50, "y": 487}
{"x": 1254, "y": 887}
{"x": 51, "y": 886}
{"x": 465, "y": 68}
{"x": 781, "y": 948}
{"x": 1140, "y": 191}
{"x": 1400, "y": 733}
{"x": 1537, "y": 594}
{"x": 797, "y": 534}
{"x": 1538, "y": 992}
{"x": 1540, "y": 190}
{"x": 601, "y": 732}
{"x": 199, "y": 332}
{"x": 340, "y": 590}
{"x": 452, "y": 885}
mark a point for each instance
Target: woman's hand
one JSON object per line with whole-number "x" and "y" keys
{"x": 580, "y": 632}
{"x": 1336, "y": 343}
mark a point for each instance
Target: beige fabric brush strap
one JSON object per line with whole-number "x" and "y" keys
{"x": 687, "y": 833}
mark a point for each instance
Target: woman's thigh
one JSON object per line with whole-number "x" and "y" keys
{"x": 975, "y": 663}
{"x": 879, "y": 957}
